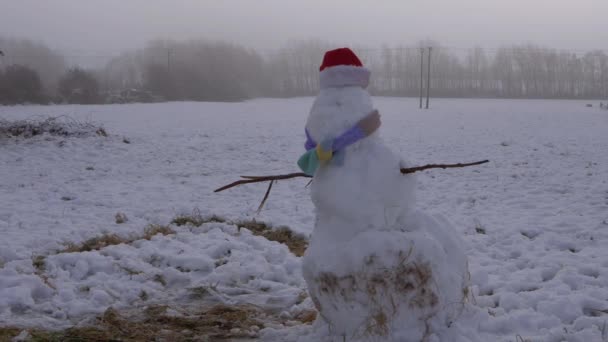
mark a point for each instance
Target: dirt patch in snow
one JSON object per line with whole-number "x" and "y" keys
{"x": 162, "y": 323}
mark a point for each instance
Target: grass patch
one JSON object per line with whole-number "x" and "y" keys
{"x": 99, "y": 242}
{"x": 7, "y": 334}
{"x": 121, "y": 218}
{"x": 95, "y": 244}
{"x": 217, "y": 323}
{"x": 480, "y": 230}
{"x": 63, "y": 126}
{"x": 296, "y": 243}
{"x": 155, "y": 229}
{"x": 307, "y": 316}
{"x": 200, "y": 292}
{"x": 39, "y": 263}
{"x": 195, "y": 220}
{"x": 71, "y": 335}
{"x": 160, "y": 279}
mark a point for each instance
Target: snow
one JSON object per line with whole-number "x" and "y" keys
{"x": 534, "y": 220}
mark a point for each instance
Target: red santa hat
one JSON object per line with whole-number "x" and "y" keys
{"x": 341, "y": 68}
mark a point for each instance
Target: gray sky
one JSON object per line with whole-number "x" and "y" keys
{"x": 109, "y": 26}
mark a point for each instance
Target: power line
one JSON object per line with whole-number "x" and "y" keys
{"x": 413, "y": 49}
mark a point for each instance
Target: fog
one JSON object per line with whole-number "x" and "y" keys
{"x": 107, "y": 27}
{"x": 223, "y": 50}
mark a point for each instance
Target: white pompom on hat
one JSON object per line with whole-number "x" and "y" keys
{"x": 342, "y": 68}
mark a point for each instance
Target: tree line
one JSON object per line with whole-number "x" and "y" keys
{"x": 201, "y": 70}
{"x": 31, "y": 72}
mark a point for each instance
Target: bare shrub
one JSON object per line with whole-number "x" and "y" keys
{"x": 62, "y": 126}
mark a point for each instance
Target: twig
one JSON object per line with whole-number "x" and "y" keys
{"x": 257, "y": 179}
{"x": 439, "y": 166}
{"x": 265, "y": 196}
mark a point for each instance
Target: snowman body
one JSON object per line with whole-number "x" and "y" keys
{"x": 377, "y": 268}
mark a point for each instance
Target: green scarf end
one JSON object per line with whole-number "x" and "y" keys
{"x": 309, "y": 162}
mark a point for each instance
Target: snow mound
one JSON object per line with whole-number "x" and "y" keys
{"x": 215, "y": 262}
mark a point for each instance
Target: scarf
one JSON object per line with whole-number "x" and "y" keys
{"x": 333, "y": 149}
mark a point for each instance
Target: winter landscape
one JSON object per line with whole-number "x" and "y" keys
{"x": 534, "y": 219}
{"x": 303, "y": 171}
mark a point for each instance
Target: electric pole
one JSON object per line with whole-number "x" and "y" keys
{"x": 168, "y": 61}
{"x": 428, "y": 79}
{"x": 421, "y": 73}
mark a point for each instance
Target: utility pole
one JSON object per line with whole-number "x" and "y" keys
{"x": 421, "y": 73}
{"x": 168, "y": 60}
{"x": 428, "y": 79}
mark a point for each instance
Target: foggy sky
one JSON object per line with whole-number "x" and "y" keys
{"x": 110, "y": 26}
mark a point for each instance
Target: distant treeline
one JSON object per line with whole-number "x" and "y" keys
{"x": 201, "y": 70}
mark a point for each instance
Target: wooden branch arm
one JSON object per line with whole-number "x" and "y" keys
{"x": 258, "y": 179}
{"x": 439, "y": 166}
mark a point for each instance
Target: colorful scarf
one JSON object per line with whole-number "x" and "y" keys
{"x": 333, "y": 149}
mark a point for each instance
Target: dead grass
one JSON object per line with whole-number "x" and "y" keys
{"x": 307, "y": 316}
{"x": 195, "y": 219}
{"x": 63, "y": 126}
{"x": 39, "y": 263}
{"x": 7, "y": 334}
{"x": 105, "y": 240}
{"x": 296, "y": 243}
{"x": 377, "y": 325}
{"x": 216, "y": 323}
{"x": 155, "y": 229}
{"x": 160, "y": 279}
{"x": 71, "y": 335}
{"x": 95, "y": 244}
{"x": 121, "y": 218}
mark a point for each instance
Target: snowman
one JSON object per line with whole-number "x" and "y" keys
{"x": 377, "y": 269}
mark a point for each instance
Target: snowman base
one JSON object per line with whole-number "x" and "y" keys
{"x": 386, "y": 286}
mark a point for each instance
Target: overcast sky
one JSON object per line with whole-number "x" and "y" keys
{"x": 109, "y": 26}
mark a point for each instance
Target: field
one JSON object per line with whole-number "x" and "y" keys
{"x": 96, "y": 229}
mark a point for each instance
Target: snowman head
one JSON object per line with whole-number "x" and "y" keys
{"x": 342, "y": 101}
{"x": 342, "y": 68}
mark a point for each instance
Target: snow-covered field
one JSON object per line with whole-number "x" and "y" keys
{"x": 535, "y": 218}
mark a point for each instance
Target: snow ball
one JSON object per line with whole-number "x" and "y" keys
{"x": 221, "y": 250}
{"x": 100, "y": 297}
{"x": 65, "y": 295}
{"x": 80, "y": 270}
{"x": 479, "y": 277}
{"x": 562, "y": 308}
{"x": 176, "y": 278}
{"x": 41, "y": 292}
{"x": 23, "y": 336}
{"x": 18, "y": 299}
{"x": 7, "y": 254}
{"x": 276, "y": 254}
{"x": 511, "y": 301}
{"x": 59, "y": 315}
